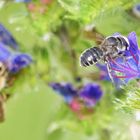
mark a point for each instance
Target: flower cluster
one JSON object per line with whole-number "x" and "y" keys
{"x": 11, "y": 61}
{"x": 124, "y": 69}
{"x": 81, "y": 101}
{"x": 10, "y": 54}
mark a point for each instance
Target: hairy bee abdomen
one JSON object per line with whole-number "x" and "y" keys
{"x": 91, "y": 56}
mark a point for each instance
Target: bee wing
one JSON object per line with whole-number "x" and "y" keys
{"x": 95, "y": 35}
{"x": 99, "y": 38}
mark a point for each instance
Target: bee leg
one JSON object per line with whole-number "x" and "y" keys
{"x": 109, "y": 72}
{"x": 106, "y": 60}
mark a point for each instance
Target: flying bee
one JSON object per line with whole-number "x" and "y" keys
{"x": 112, "y": 47}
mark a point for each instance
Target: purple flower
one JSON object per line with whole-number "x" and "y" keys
{"x": 89, "y": 94}
{"x": 66, "y": 90}
{"x": 127, "y": 68}
{"x": 14, "y": 60}
{"x": 80, "y": 101}
{"x": 6, "y": 38}
{"x": 9, "y": 53}
{"x": 4, "y": 52}
{"x": 19, "y": 61}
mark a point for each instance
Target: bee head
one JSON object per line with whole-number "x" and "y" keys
{"x": 124, "y": 43}
{"x": 111, "y": 41}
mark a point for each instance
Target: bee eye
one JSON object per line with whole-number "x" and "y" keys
{"x": 112, "y": 41}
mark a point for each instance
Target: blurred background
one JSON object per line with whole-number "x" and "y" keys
{"x": 54, "y": 33}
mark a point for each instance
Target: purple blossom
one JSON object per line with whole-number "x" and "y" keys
{"x": 14, "y": 60}
{"x": 9, "y": 54}
{"x": 80, "y": 101}
{"x": 128, "y": 68}
{"x": 89, "y": 94}
{"x": 6, "y": 38}
{"x": 4, "y": 52}
{"x": 66, "y": 90}
{"x": 19, "y": 61}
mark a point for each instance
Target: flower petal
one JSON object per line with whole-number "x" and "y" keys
{"x": 6, "y": 38}
{"x": 19, "y": 61}
{"x": 66, "y": 90}
{"x": 5, "y": 53}
{"x": 91, "y": 93}
{"x": 132, "y": 37}
{"x": 125, "y": 71}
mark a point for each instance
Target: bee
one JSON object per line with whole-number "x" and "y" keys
{"x": 112, "y": 47}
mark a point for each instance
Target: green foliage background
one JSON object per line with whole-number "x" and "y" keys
{"x": 34, "y": 111}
